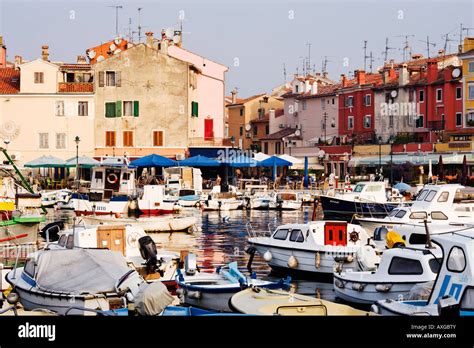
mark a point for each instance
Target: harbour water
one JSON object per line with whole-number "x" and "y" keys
{"x": 222, "y": 238}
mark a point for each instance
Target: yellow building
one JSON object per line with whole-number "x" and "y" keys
{"x": 467, "y": 58}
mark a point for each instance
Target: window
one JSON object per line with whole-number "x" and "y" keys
{"x": 39, "y": 77}
{"x": 418, "y": 215}
{"x": 438, "y": 215}
{"x": 110, "y": 139}
{"x": 400, "y": 214}
{"x": 112, "y": 79}
{"x": 458, "y": 119}
{"x": 467, "y": 300}
{"x": 110, "y": 109}
{"x": 401, "y": 265}
{"x": 350, "y": 122}
{"x": 99, "y": 175}
{"x": 367, "y": 121}
{"x": 471, "y": 67}
{"x": 265, "y": 147}
{"x": 241, "y": 131}
{"x": 126, "y": 176}
{"x": 62, "y": 240}
{"x": 439, "y": 95}
{"x": 59, "y": 108}
{"x": 420, "y": 122}
{"x": 435, "y": 264}
{"x": 70, "y": 242}
{"x": 333, "y": 101}
{"x": 128, "y": 138}
{"x": 267, "y": 129}
{"x": 470, "y": 119}
{"x": 277, "y": 147}
{"x": 411, "y": 95}
{"x": 296, "y": 236}
{"x": 359, "y": 188}
{"x": 241, "y": 111}
{"x": 297, "y": 89}
{"x": 443, "y": 197}
{"x": 255, "y": 130}
{"x": 349, "y": 101}
{"x": 157, "y": 138}
{"x": 281, "y": 234}
{"x": 458, "y": 93}
{"x": 60, "y": 140}
{"x": 422, "y": 195}
{"x": 430, "y": 196}
{"x": 128, "y": 108}
{"x": 44, "y": 141}
{"x": 30, "y": 268}
{"x": 421, "y": 96}
{"x": 367, "y": 100}
{"x": 194, "y": 109}
{"x": 470, "y": 91}
{"x": 456, "y": 260}
{"x": 82, "y": 109}
{"x": 304, "y": 104}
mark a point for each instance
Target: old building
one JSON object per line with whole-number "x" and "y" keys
{"x": 44, "y": 105}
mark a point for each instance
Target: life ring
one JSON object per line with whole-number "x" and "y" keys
{"x": 112, "y": 178}
{"x": 354, "y": 236}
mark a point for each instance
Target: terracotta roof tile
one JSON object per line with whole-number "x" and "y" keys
{"x": 9, "y": 81}
{"x": 280, "y": 134}
{"x": 82, "y": 87}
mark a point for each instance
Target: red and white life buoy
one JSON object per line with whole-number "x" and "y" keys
{"x": 112, "y": 178}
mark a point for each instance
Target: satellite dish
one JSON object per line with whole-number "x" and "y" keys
{"x": 100, "y": 58}
{"x": 176, "y": 39}
{"x": 169, "y": 33}
{"x": 297, "y": 132}
{"x": 248, "y": 127}
{"x": 112, "y": 47}
{"x": 394, "y": 93}
{"x": 118, "y": 50}
{"x": 118, "y": 40}
{"x": 456, "y": 73}
{"x": 91, "y": 54}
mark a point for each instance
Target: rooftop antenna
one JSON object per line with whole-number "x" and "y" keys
{"x": 117, "y": 7}
{"x": 284, "y": 72}
{"x": 406, "y": 47}
{"x": 428, "y": 44}
{"x": 365, "y": 55}
{"x": 308, "y": 61}
{"x": 130, "y": 32}
{"x": 371, "y": 61}
{"x": 139, "y": 25}
{"x": 446, "y": 42}
{"x": 387, "y": 48}
{"x": 461, "y": 30}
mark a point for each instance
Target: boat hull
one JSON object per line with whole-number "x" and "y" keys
{"x": 13, "y": 233}
{"x": 340, "y": 209}
{"x": 86, "y": 207}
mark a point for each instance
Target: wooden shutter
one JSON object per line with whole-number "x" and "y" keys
{"x": 109, "y": 138}
{"x": 118, "y": 79}
{"x": 127, "y": 138}
{"x": 118, "y": 108}
{"x": 157, "y": 138}
{"x": 194, "y": 109}
{"x": 136, "y": 111}
{"x": 109, "y": 109}
{"x": 101, "y": 78}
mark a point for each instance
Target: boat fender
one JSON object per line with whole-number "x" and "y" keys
{"x": 292, "y": 262}
{"x": 358, "y": 286}
{"x": 383, "y": 287}
{"x": 339, "y": 283}
{"x": 194, "y": 295}
{"x": 267, "y": 256}
{"x": 375, "y": 309}
{"x": 180, "y": 292}
{"x": 349, "y": 258}
{"x": 318, "y": 260}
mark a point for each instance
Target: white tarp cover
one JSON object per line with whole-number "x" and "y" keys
{"x": 80, "y": 271}
{"x": 152, "y": 298}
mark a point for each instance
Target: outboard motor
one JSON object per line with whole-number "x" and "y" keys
{"x": 190, "y": 264}
{"x": 51, "y": 231}
{"x": 149, "y": 253}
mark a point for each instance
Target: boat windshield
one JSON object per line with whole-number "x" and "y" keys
{"x": 435, "y": 265}
{"x": 398, "y": 213}
{"x": 422, "y": 195}
{"x": 359, "y": 188}
{"x": 186, "y": 193}
{"x": 464, "y": 194}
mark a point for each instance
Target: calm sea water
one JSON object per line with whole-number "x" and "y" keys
{"x": 222, "y": 238}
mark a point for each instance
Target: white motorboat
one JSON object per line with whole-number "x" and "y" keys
{"x": 51, "y": 198}
{"x": 213, "y": 291}
{"x": 317, "y": 247}
{"x": 188, "y": 198}
{"x": 83, "y": 282}
{"x": 217, "y": 200}
{"x": 288, "y": 201}
{"x": 260, "y": 301}
{"x": 369, "y": 198}
{"x": 453, "y": 290}
{"x": 437, "y": 204}
{"x": 149, "y": 224}
{"x": 400, "y": 269}
{"x": 152, "y": 201}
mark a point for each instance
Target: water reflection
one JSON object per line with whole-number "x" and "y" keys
{"x": 222, "y": 238}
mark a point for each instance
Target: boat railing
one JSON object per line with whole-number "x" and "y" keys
{"x": 252, "y": 233}
{"x": 97, "y": 311}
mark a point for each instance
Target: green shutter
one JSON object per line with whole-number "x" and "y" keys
{"x": 194, "y": 109}
{"x": 136, "y": 108}
{"x": 118, "y": 109}
{"x": 109, "y": 109}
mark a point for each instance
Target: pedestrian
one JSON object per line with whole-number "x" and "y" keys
{"x": 218, "y": 180}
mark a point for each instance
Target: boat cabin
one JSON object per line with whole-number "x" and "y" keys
{"x": 112, "y": 178}
{"x": 183, "y": 177}
{"x": 287, "y": 196}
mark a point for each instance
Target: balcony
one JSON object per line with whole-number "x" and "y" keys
{"x": 436, "y": 125}
{"x": 200, "y": 141}
{"x": 75, "y": 87}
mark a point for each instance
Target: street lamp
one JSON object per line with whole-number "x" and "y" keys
{"x": 77, "y": 140}
{"x": 391, "y": 141}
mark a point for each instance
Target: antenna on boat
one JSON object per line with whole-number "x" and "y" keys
{"x": 428, "y": 244}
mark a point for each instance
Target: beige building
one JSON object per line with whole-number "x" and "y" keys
{"x": 44, "y": 105}
{"x": 141, "y": 103}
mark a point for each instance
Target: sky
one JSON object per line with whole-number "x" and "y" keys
{"x": 257, "y": 39}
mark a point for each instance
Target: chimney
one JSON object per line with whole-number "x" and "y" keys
{"x": 416, "y": 56}
{"x": 325, "y": 75}
{"x": 392, "y": 73}
{"x": 307, "y": 86}
{"x": 45, "y": 52}
{"x": 441, "y": 52}
{"x": 271, "y": 114}
{"x": 149, "y": 38}
{"x": 343, "y": 80}
{"x": 314, "y": 88}
{"x": 432, "y": 70}
{"x": 3, "y": 54}
{"x": 403, "y": 75}
{"x": 360, "y": 75}
{"x": 18, "y": 61}
{"x": 234, "y": 96}
{"x": 81, "y": 60}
